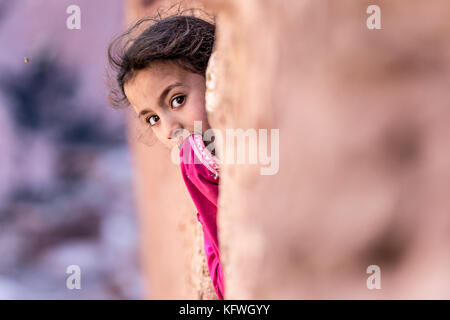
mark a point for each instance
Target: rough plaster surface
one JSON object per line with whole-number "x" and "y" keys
{"x": 364, "y": 149}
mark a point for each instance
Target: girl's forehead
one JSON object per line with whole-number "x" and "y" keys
{"x": 149, "y": 83}
{"x": 159, "y": 76}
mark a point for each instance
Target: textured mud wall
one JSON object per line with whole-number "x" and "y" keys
{"x": 172, "y": 253}
{"x": 364, "y": 174}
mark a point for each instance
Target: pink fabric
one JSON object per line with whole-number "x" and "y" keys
{"x": 199, "y": 169}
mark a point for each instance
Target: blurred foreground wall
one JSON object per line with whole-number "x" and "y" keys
{"x": 364, "y": 151}
{"x": 364, "y": 157}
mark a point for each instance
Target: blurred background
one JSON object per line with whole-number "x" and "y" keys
{"x": 65, "y": 177}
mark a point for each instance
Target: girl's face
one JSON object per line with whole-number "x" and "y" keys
{"x": 168, "y": 98}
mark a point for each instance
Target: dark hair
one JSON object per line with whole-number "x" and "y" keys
{"x": 182, "y": 39}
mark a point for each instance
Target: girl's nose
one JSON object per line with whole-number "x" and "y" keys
{"x": 174, "y": 130}
{"x": 176, "y": 134}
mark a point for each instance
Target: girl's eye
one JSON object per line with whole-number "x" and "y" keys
{"x": 178, "y": 101}
{"x": 152, "y": 119}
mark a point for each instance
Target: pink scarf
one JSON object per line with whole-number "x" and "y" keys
{"x": 200, "y": 170}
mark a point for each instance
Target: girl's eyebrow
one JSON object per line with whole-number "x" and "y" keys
{"x": 163, "y": 96}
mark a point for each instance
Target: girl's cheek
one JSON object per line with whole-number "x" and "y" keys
{"x": 156, "y": 132}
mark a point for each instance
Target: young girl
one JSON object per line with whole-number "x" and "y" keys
{"x": 161, "y": 75}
